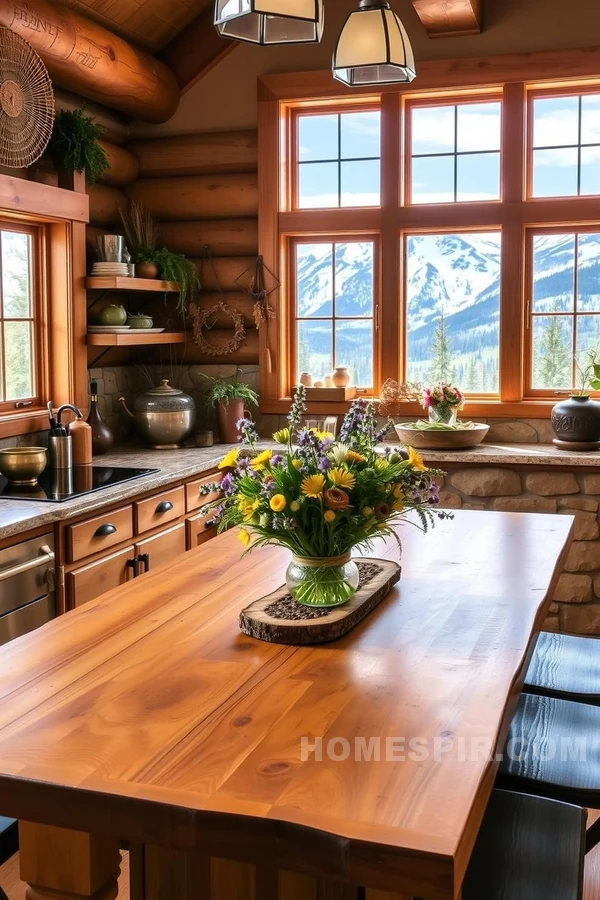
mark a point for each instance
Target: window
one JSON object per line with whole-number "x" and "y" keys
{"x": 473, "y": 207}
{"x": 566, "y": 145}
{"x": 453, "y": 309}
{"x": 455, "y": 152}
{"x": 338, "y": 160}
{"x": 335, "y": 308}
{"x": 18, "y": 314}
{"x": 565, "y": 306}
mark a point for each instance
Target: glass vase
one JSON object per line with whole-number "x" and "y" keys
{"x": 330, "y": 581}
{"x": 443, "y": 414}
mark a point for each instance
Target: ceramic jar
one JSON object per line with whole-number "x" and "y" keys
{"x": 340, "y": 376}
{"x": 140, "y": 321}
{"x": 577, "y": 419}
{"x": 306, "y": 379}
{"x": 113, "y": 315}
{"x": 146, "y": 270}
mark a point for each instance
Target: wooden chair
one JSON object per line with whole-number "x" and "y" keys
{"x": 528, "y": 848}
{"x": 9, "y": 843}
{"x": 565, "y": 666}
{"x": 553, "y": 750}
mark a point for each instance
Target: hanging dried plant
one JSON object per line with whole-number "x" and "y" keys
{"x": 394, "y": 394}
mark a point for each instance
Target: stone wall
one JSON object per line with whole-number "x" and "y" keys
{"x": 576, "y": 606}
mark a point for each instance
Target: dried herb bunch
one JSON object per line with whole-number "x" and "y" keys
{"x": 395, "y": 394}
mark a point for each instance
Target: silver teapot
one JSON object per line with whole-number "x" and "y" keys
{"x": 164, "y": 416}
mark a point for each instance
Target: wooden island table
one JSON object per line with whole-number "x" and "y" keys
{"x": 145, "y": 719}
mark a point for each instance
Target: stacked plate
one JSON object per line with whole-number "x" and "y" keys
{"x": 110, "y": 268}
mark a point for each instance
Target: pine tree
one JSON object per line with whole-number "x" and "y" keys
{"x": 553, "y": 357}
{"x": 442, "y": 367}
{"x": 471, "y": 378}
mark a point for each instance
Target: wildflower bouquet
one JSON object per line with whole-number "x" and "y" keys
{"x": 443, "y": 401}
{"x": 320, "y": 497}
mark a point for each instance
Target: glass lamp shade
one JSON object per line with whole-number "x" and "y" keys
{"x": 373, "y": 47}
{"x": 270, "y": 21}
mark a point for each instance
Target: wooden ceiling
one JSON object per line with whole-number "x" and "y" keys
{"x": 149, "y": 23}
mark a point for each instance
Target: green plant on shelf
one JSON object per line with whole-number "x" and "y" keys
{"x": 225, "y": 390}
{"x": 74, "y": 144}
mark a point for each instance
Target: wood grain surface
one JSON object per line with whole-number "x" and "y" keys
{"x": 145, "y": 715}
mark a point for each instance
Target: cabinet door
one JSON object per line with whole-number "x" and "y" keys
{"x": 200, "y": 528}
{"x": 96, "y": 578}
{"x": 161, "y": 548}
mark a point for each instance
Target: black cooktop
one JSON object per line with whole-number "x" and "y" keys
{"x": 56, "y": 486}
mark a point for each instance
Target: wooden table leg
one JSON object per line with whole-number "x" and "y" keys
{"x": 67, "y": 865}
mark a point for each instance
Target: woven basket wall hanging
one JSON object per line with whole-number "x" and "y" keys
{"x": 26, "y": 102}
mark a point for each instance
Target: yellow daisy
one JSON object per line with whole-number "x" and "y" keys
{"x": 353, "y": 456}
{"x": 342, "y": 478}
{"x": 329, "y": 516}
{"x": 229, "y": 461}
{"x": 278, "y": 502}
{"x": 259, "y": 462}
{"x": 416, "y": 460}
{"x": 282, "y": 436}
{"x": 244, "y": 536}
{"x": 312, "y": 486}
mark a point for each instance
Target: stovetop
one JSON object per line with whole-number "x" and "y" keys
{"x": 56, "y": 486}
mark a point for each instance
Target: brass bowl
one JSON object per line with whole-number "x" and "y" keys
{"x": 23, "y": 465}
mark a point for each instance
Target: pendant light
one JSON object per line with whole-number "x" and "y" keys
{"x": 373, "y": 47}
{"x": 270, "y": 21}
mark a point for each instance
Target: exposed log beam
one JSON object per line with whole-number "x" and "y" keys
{"x": 86, "y": 58}
{"x": 196, "y": 50}
{"x": 450, "y": 18}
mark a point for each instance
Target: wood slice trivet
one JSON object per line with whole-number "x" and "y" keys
{"x": 281, "y": 619}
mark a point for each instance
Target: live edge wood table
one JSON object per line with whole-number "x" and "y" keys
{"x": 145, "y": 719}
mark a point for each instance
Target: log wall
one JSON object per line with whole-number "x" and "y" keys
{"x": 202, "y": 189}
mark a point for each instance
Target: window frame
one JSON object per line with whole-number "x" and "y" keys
{"x": 292, "y": 243}
{"x": 518, "y": 78}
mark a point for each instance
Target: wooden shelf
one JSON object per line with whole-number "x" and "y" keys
{"x": 122, "y": 283}
{"x": 134, "y": 338}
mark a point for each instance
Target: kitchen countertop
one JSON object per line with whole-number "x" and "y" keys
{"x": 18, "y": 516}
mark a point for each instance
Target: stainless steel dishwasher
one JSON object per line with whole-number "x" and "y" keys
{"x": 27, "y": 596}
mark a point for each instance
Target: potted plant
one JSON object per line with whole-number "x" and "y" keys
{"x": 231, "y": 399}
{"x": 141, "y": 233}
{"x": 320, "y": 498}
{"x": 74, "y": 144}
{"x": 442, "y": 402}
{"x": 576, "y": 420}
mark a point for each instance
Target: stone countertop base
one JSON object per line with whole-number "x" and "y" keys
{"x": 175, "y": 465}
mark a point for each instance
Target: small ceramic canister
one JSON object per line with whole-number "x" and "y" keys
{"x": 318, "y": 384}
{"x": 327, "y": 381}
{"x": 306, "y": 379}
{"x": 341, "y": 376}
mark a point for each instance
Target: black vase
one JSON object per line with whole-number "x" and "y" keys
{"x": 577, "y": 419}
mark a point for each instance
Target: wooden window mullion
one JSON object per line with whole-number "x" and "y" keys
{"x": 389, "y": 295}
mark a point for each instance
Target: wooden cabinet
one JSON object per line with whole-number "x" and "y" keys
{"x": 161, "y": 548}
{"x": 159, "y": 509}
{"x": 199, "y": 529}
{"x": 194, "y": 499}
{"x": 98, "y": 534}
{"x": 88, "y": 582}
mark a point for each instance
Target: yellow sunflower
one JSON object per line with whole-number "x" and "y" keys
{"x": 312, "y": 486}
{"x": 416, "y": 460}
{"x": 259, "y": 462}
{"x": 342, "y": 478}
{"x": 353, "y": 456}
{"x": 282, "y": 436}
{"x": 229, "y": 461}
{"x": 278, "y": 502}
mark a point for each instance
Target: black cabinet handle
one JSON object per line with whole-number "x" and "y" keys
{"x": 105, "y": 530}
{"x": 144, "y": 559}
{"x": 164, "y": 506}
{"x": 135, "y": 565}
{"x": 209, "y": 523}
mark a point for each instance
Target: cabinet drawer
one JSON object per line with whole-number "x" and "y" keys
{"x": 89, "y": 582}
{"x": 159, "y": 510}
{"x": 194, "y": 499}
{"x": 99, "y": 533}
{"x": 199, "y": 529}
{"x": 161, "y": 548}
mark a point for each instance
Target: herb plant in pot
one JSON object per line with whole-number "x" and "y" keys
{"x": 576, "y": 420}
{"x": 74, "y": 145}
{"x": 230, "y": 398}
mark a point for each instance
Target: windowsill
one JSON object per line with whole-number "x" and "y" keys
{"x": 23, "y": 422}
{"x": 487, "y": 409}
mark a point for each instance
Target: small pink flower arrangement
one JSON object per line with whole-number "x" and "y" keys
{"x": 443, "y": 401}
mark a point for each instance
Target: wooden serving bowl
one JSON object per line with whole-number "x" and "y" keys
{"x": 442, "y": 440}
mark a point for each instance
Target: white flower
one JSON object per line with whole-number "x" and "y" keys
{"x": 339, "y": 453}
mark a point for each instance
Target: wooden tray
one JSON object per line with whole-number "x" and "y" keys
{"x": 280, "y": 619}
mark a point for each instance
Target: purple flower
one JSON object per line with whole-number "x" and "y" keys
{"x": 247, "y": 431}
{"x": 277, "y": 460}
{"x": 323, "y": 464}
{"x": 228, "y": 484}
